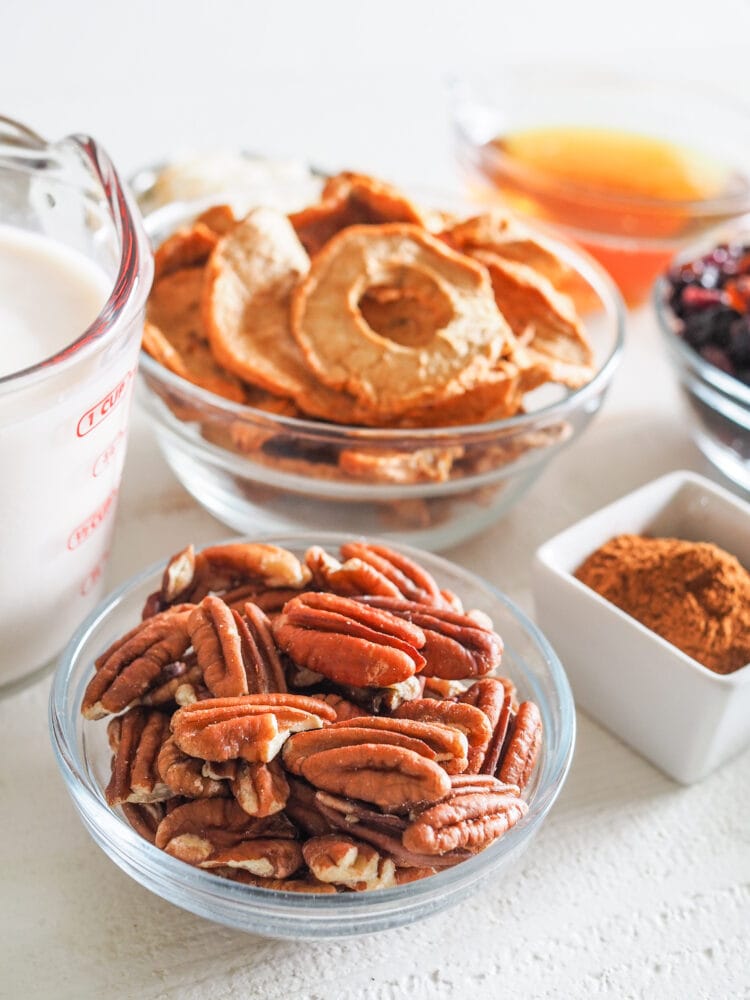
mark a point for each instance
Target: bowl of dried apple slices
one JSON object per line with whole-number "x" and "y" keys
{"x": 371, "y": 363}
{"x": 311, "y": 735}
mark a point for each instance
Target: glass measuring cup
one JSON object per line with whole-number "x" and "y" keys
{"x": 64, "y": 418}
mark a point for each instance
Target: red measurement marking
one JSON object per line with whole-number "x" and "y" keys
{"x": 92, "y": 578}
{"x": 107, "y": 455}
{"x": 86, "y": 528}
{"x": 101, "y": 410}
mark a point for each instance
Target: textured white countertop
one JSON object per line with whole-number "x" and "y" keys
{"x": 636, "y": 887}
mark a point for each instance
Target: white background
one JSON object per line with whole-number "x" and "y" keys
{"x": 333, "y": 81}
{"x": 636, "y": 887}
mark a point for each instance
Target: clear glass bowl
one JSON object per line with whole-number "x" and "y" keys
{"x": 83, "y": 756}
{"x": 719, "y": 404}
{"x": 258, "y": 471}
{"x": 633, "y": 236}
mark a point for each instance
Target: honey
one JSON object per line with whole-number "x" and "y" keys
{"x": 629, "y": 199}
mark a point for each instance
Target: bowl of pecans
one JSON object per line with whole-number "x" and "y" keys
{"x": 367, "y": 363}
{"x": 311, "y": 736}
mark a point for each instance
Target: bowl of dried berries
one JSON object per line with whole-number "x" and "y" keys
{"x": 311, "y": 736}
{"x": 703, "y": 305}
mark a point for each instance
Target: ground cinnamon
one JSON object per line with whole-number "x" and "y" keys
{"x": 693, "y": 594}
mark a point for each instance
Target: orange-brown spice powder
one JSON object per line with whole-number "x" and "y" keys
{"x": 693, "y": 594}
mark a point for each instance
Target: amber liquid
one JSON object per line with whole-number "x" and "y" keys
{"x": 627, "y": 199}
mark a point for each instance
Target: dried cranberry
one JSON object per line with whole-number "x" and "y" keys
{"x": 716, "y": 357}
{"x": 739, "y": 342}
{"x": 697, "y": 297}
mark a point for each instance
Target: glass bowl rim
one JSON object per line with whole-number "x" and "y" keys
{"x": 581, "y": 262}
{"x": 474, "y": 90}
{"x": 205, "y": 886}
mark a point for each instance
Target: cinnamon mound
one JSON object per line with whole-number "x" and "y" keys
{"x": 693, "y": 594}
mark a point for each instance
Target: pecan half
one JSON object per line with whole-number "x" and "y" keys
{"x": 136, "y": 739}
{"x": 467, "y": 719}
{"x": 185, "y": 775}
{"x": 383, "y": 831}
{"x": 213, "y": 631}
{"x": 468, "y": 818}
{"x": 493, "y": 696}
{"x": 348, "y": 578}
{"x": 448, "y": 744}
{"x": 268, "y": 857}
{"x": 523, "y": 744}
{"x": 389, "y": 776}
{"x": 435, "y": 742}
{"x": 261, "y": 789}
{"x": 223, "y": 567}
{"x": 262, "y": 662}
{"x": 345, "y": 861}
{"x": 411, "y": 580}
{"x": 131, "y": 668}
{"x": 348, "y": 641}
{"x": 456, "y": 645}
{"x": 217, "y": 832}
{"x": 176, "y": 583}
{"x": 247, "y": 567}
{"x": 253, "y": 727}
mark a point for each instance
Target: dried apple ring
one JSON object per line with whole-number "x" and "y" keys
{"x": 176, "y": 338}
{"x": 249, "y": 281}
{"x": 349, "y": 200}
{"x": 429, "y": 352}
{"x": 550, "y": 334}
{"x": 503, "y": 236}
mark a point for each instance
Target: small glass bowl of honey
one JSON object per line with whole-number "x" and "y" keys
{"x": 628, "y": 167}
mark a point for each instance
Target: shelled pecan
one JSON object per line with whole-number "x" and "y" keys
{"x": 253, "y": 727}
{"x": 215, "y": 832}
{"x": 494, "y": 697}
{"x": 411, "y": 580}
{"x": 348, "y": 862}
{"x": 382, "y": 830}
{"x": 470, "y": 817}
{"x": 136, "y": 666}
{"x": 467, "y": 719}
{"x": 525, "y": 739}
{"x": 260, "y": 789}
{"x": 348, "y": 641}
{"x": 135, "y": 739}
{"x": 216, "y": 640}
{"x": 456, "y": 645}
{"x": 186, "y": 775}
{"x": 220, "y": 568}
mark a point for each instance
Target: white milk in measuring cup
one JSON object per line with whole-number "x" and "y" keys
{"x": 74, "y": 273}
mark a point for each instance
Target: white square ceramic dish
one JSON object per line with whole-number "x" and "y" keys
{"x": 681, "y": 716}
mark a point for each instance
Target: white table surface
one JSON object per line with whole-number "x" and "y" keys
{"x": 636, "y": 887}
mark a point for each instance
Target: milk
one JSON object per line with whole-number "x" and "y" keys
{"x": 49, "y": 294}
{"x": 62, "y": 445}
